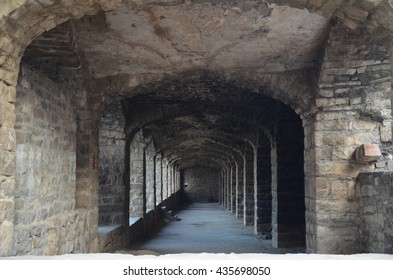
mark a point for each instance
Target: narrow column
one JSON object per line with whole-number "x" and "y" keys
{"x": 248, "y": 199}
{"x": 144, "y": 183}
{"x": 154, "y": 181}
{"x": 224, "y": 188}
{"x": 240, "y": 188}
{"x": 229, "y": 188}
{"x": 234, "y": 187}
{"x": 263, "y": 197}
{"x": 162, "y": 181}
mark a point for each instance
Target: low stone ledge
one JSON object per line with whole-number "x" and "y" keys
{"x": 111, "y": 238}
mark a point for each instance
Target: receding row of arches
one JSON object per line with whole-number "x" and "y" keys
{"x": 79, "y": 150}
{"x": 252, "y": 142}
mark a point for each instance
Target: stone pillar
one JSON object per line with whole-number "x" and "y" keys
{"x": 173, "y": 179}
{"x": 229, "y": 187}
{"x": 167, "y": 181}
{"x": 158, "y": 178}
{"x": 87, "y": 177}
{"x": 137, "y": 177}
{"x": 11, "y": 50}
{"x": 353, "y": 108}
{"x": 224, "y": 188}
{"x": 155, "y": 187}
{"x": 150, "y": 177}
{"x": 219, "y": 188}
{"x": 240, "y": 188}
{"x": 144, "y": 186}
{"x": 310, "y": 184}
{"x": 234, "y": 186}
{"x": 263, "y": 196}
{"x": 274, "y": 188}
{"x": 248, "y": 199}
{"x": 7, "y": 163}
{"x": 111, "y": 166}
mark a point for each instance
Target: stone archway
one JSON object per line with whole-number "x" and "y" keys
{"x": 327, "y": 102}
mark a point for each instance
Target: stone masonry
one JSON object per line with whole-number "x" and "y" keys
{"x": 201, "y": 184}
{"x": 279, "y": 110}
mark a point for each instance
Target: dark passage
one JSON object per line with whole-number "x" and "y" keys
{"x": 207, "y": 227}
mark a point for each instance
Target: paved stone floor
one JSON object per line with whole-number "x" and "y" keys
{"x": 207, "y": 228}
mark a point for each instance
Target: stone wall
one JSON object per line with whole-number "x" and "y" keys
{"x": 112, "y": 141}
{"x": 248, "y": 191}
{"x": 353, "y": 108}
{"x": 136, "y": 175}
{"x": 263, "y": 217}
{"x": 159, "y": 180}
{"x": 45, "y": 219}
{"x": 150, "y": 177}
{"x": 376, "y": 207}
{"x": 202, "y": 184}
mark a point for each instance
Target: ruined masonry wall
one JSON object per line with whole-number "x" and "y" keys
{"x": 202, "y": 184}
{"x": 45, "y": 219}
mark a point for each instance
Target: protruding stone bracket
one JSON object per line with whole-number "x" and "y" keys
{"x": 367, "y": 153}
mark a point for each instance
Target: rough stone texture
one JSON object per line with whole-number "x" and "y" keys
{"x": 367, "y": 153}
{"x": 112, "y": 142}
{"x": 201, "y": 184}
{"x": 111, "y": 239}
{"x": 263, "y": 216}
{"x": 248, "y": 187}
{"x": 136, "y": 173}
{"x": 151, "y": 186}
{"x": 239, "y": 191}
{"x": 376, "y": 200}
{"x": 45, "y": 216}
{"x": 159, "y": 180}
{"x": 234, "y": 182}
{"x": 178, "y": 54}
{"x": 353, "y": 68}
{"x": 202, "y": 35}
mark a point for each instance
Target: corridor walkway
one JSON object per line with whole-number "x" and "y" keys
{"x": 211, "y": 229}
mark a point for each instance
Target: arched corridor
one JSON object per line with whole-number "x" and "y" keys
{"x": 223, "y": 128}
{"x": 114, "y": 112}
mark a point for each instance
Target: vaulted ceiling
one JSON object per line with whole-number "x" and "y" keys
{"x": 145, "y": 44}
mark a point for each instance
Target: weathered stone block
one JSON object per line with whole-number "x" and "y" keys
{"x": 326, "y": 93}
{"x": 339, "y": 189}
{"x": 326, "y": 102}
{"x": 7, "y": 163}
{"x": 334, "y": 125}
{"x": 6, "y": 233}
{"x": 343, "y": 152}
{"x": 46, "y": 3}
{"x": 355, "y": 101}
{"x": 6, "y": 210}
{"x": 334, "y": 139}
{"x": 367, "y": 153}
{"x": 7, "y": 139}
{"x": 338, "y": 169}
{"x": 385, "y": 132}
{"x": 7, "y": 116}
